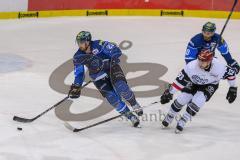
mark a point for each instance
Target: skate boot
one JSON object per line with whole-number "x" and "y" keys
{"x": 182, "y": 122}
{"x": 138, "y": 109}
{"x": 180, "y": 125}
{"x": 133, "y": 118}
{"x": 169, "y": 118}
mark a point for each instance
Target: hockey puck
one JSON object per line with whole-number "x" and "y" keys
{"x": 19, "y": 128}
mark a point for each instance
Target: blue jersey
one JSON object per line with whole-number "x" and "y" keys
{"x": 102, "y": 51}
{"x": 197, "y": 43}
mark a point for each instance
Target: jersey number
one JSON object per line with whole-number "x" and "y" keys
{"x": 180, "y": 76}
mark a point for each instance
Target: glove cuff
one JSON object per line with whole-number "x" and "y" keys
{"x": 233, "y": 88}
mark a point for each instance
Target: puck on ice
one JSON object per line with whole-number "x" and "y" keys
{"x": 19, "y": 128}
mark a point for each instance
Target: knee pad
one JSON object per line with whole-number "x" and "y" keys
{"x": 176, "y": 106}
{"x": 192, "y": 108}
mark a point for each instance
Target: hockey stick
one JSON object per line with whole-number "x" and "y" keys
{"x": 67, "y": 125}
{"x": 225, "y": 25}
{"x": 26, "y": 120}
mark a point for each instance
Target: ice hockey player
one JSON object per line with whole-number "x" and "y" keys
{"x": 102, "y": 60}
{"x": 207, "y": 40}
{"x": 201, "y": 79}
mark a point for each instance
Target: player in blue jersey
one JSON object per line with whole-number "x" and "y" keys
{"x": 207, "y": 40}
{"x": 102, "y": 60}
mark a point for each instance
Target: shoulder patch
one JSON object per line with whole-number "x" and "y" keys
{"x": 100, "y": 42}
{"x": 222, "y": 40}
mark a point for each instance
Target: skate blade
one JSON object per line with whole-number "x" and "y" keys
{"x": 138, "y": 126}
{"x": 164, "y": 127}
{"x": 68, "y": 126}
{"x": 178, "y": 131}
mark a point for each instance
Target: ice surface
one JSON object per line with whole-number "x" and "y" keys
{"x": 34, "y": 48}
{"x": 11, "y": 62}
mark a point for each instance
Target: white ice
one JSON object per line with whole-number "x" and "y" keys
{"x": 31, "y": 49}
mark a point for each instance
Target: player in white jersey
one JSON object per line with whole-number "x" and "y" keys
{"x": 198, "y": 81}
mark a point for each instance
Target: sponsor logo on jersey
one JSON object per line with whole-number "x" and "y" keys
{"x": 198, "y": 80}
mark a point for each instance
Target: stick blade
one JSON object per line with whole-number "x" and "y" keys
{"x": 68, "y": 126}
{"x": 20, "y": 119}
{"x": 76, "y": 130}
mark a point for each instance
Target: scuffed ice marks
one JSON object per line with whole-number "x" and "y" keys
{"x": 12, "y": 63}
{"x": 15, "y": 156}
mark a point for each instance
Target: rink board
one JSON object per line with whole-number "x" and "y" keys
{"x": 120, "y": 12}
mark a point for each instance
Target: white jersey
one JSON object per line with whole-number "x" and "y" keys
{"x": 201, "y": 77}
{"x": 194, "y": 74}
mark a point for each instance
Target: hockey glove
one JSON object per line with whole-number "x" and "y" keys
{"x": 75, "y": 91}
{"x": 235, "y": 66}
{"x": 232, "y": 94}
{"x": 166, "y": 97}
